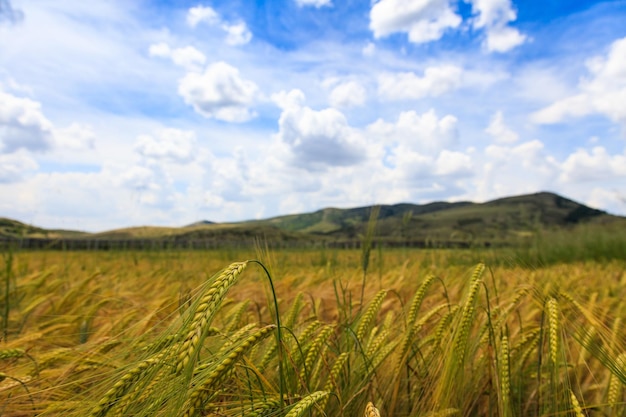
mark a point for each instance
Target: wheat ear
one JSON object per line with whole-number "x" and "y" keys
{"x": 553, "y": 324}
{"x": 122, "y": 386}
{"x": 307, "y": 402}
{"x": 11, "y": 353}
{"x": 370, "y": 313}
{"x": 203, "y": 391}
{"x": 460, "y": 342}
{"x": 371, "y": 410}
{"x": 205, "y": 311}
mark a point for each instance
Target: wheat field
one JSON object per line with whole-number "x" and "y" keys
{"x": 309, "y": 333}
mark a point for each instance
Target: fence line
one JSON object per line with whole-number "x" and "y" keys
{"x": 207, "y": 244}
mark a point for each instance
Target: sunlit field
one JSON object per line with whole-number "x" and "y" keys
{"x": 318, "y": 332}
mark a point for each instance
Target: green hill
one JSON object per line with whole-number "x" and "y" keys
{"x": 502, "y": 221}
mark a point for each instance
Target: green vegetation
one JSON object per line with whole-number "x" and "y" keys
{"x": 515, "y": 222}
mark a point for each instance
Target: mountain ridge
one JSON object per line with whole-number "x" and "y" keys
{"x": 498, "y": 220}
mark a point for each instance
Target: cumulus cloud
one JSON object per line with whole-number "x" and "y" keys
{"x": 172, "y": 145}
{"x": 219, "y": 92}
{"x": 317, "y": 139}
{"x": 603, "y": 92}
{"x": 494, "y": 16}
{"x": 202, "y": 14}
{"x": 314, "y": 3}
{"x": 187, "y": 57}
{"x": 423, "y": 20}
{"x": 237, "y": 33}
{"x": 500, "y": 131}
{"x": 501, "y": 169}
{"x": 407, "y": 85}
{"x": 420, "y": 150}
{"x": 597, "y": 165}
{"x": 348, "y": 94}
{"x": 425, "y": 133}
{"x": 23, "y": 125}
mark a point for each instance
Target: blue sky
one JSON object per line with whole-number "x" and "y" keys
{"x": 120, "y": 113}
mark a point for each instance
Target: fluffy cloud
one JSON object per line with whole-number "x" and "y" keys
{"x": 23, "y": 125}
{"x": 604, "y": 92}
{"x": 428, "y": 20}
{"x": 200, "y": 14}
{"x": 407, "y": 85}
{"x": 317, "y": 139}
{"x": 187, "y": 57}
{"x": 172, "y": 145}
{"x": 500, "y": 131}
{"x": 236, "y": 33}
{"x": 502, "y": 166}
{"x": 597, "y": 165}
{"x": 314, "y": 3}
{"x": 348, "y": 94}
{"x": 219, "y": 92}
{"x": 425, "y": 133}
{"x": 422, "y": 20}
{"x": 493, "y": 16}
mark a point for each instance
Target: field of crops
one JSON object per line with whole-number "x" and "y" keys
{"x": 319, "y": 332}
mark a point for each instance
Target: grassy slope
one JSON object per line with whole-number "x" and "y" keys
{"x": 504, "y": 220}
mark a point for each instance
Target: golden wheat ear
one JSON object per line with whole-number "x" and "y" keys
{"x": 371, "y": 410}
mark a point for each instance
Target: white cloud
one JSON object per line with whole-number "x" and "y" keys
{"x": 237, "y": 33}
{"x": 187, "y": 57}
{"x": 199, "y": 14}
{"x": 285, "y": 100}
{"x": 23, "y": 125}
{"x": 219, "y": 92}
{"x": 14, "y": 166}
{"x": 597, "y": 165}
{"x": 318, "y": 139}
{"x": 500, "y": 131}
{"x": 75, "y": 137}
{"x": 604, "y": 92}
{"x": 407, "y": 85}
{"x": 422, "y": 20}
{"x": 500, "y": 171}
{"x": 173, "y": 145}
{"x": 314, "y": 3}
{"x": 348, "y": 94}
{"x": 425, "y": 133}
{"x": 494, "y": 16}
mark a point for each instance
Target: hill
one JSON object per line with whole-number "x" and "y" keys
{"x": 502, "y": 221}
{"x": 498, "y": 220}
